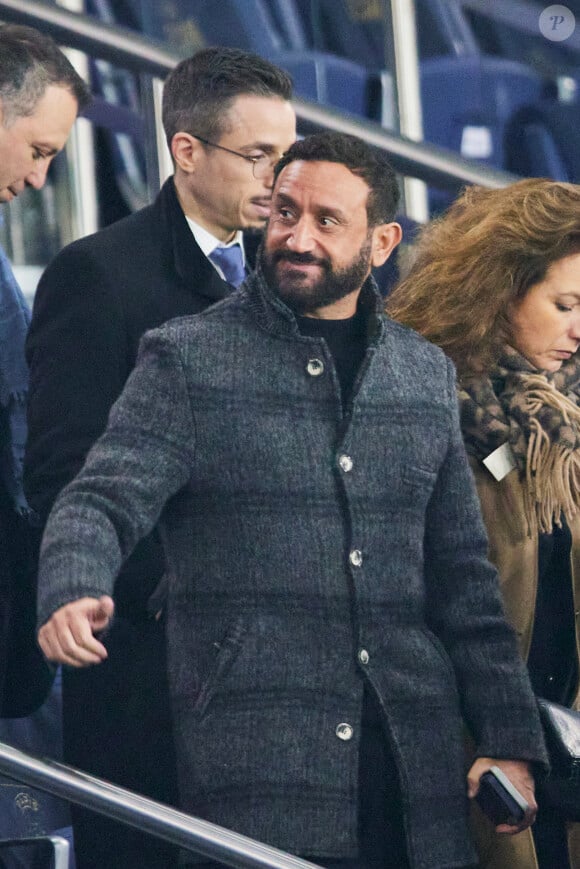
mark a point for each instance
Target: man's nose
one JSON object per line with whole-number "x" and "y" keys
{"x": 268, "y": 177}
{"x": 37, "y": 177}
{"x": 301, "y": 237}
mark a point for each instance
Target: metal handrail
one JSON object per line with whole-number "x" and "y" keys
{"x": 178, "y": 828}
{"x": 437, "y": 166}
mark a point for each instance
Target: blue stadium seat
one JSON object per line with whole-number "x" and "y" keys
{"x": 543, "y": 141}
{"x": 350, "y": 30}
{"x": 468, "y": 103}
{"x": 333, "y": 81}
{"x": 248, "y": 24}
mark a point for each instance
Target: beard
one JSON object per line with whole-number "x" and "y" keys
{"x": 303, "y": 294}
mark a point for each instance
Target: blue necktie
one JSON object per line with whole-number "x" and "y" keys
{"x": 231, "y": 262}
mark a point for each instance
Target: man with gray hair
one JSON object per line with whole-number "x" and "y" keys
{"x": 40, "y": 95}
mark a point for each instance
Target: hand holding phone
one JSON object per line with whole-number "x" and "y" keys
{"x": 499, "y": 799}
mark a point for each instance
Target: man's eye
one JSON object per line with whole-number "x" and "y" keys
{"x": 38, "y": 155}
{"x": 327, "y": 221}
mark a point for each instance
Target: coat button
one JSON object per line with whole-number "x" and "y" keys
{"x": 315, "y": 367}
{"x": 363, "y": 656}
{"x": 345, "y": 463}
{"x": 355, "y": 558}
{"x": 344, "y": 731}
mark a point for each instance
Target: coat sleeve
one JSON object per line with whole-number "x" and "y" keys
{"x": 465, "y": 610}
{"x": 76, "y": 351}
{"x": 144, "y": 457}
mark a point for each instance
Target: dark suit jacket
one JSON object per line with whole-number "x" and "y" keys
{"x": 93, "y": 304}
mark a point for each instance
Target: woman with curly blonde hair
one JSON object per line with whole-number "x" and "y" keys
{"x": 496, "y": 284}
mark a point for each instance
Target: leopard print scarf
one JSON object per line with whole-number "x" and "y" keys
{"x": 538, "y": 414}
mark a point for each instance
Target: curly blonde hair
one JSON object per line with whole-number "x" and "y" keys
{"x": 486, "y": 252}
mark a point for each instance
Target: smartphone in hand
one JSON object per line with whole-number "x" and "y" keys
{"x": 499, "y": 799}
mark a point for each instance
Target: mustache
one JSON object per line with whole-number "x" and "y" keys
{"x": 298, "y": 258}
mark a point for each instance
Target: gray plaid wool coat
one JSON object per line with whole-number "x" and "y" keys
{"x": 309, "y": 550}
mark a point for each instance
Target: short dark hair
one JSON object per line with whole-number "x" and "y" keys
{"x": 30, "y": 62}
{"x": 198, "y": 93}
{"x": 369, "y": 163}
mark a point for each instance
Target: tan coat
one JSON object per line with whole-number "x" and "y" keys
{"x": 514, "y": 551}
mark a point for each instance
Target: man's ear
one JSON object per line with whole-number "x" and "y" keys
{"x": 186, "y": 151}
{"x": 386, "y": 237}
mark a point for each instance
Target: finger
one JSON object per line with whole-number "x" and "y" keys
{"x": 73, "y": 658}
{"x": 59, "y": 645}
{"x": 84, "y": 648}
{"x": 512, "y": 829}
{"x": 102, "y": 613}
{"x": 81, "y": 631}
{"x": 473, "y": 778}
{"x": 107, "y": 604}
{"x": 472, "y": 787}
{"x": 76, "y": 626}
{"x": 507, "y": 829}
{"x": 45, "y": 642}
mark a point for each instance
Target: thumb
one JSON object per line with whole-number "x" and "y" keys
{"x": 101, "y": 613}
{"x": 481, "y": 765}
{"x": 472, "y": 787}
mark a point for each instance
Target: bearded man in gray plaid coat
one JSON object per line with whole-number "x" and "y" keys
{"x": 333, "y": 623}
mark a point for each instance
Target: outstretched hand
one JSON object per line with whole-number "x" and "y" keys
{"x": 68, "y": 637}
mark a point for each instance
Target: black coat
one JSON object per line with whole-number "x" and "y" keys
{"x": 93, "y": 304}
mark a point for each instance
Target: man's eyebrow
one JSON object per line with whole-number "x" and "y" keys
{"x": 284, "y": 198}
{"x": 266, "y": 147}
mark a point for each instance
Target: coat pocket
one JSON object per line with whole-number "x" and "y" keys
{"x": 417, "y": 485}
{"x": 440, "y": 651}
{"x": 226, "y": 652}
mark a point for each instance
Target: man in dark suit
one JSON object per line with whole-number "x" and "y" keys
{"x": 227, "y": 118}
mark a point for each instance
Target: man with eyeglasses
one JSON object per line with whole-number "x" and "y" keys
{"x": 228, "y": 119}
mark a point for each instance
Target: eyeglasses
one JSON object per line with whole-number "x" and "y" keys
{"x": 262, "y": 164}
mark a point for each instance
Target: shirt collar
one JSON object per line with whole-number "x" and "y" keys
{"x": 208, "y": 242}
